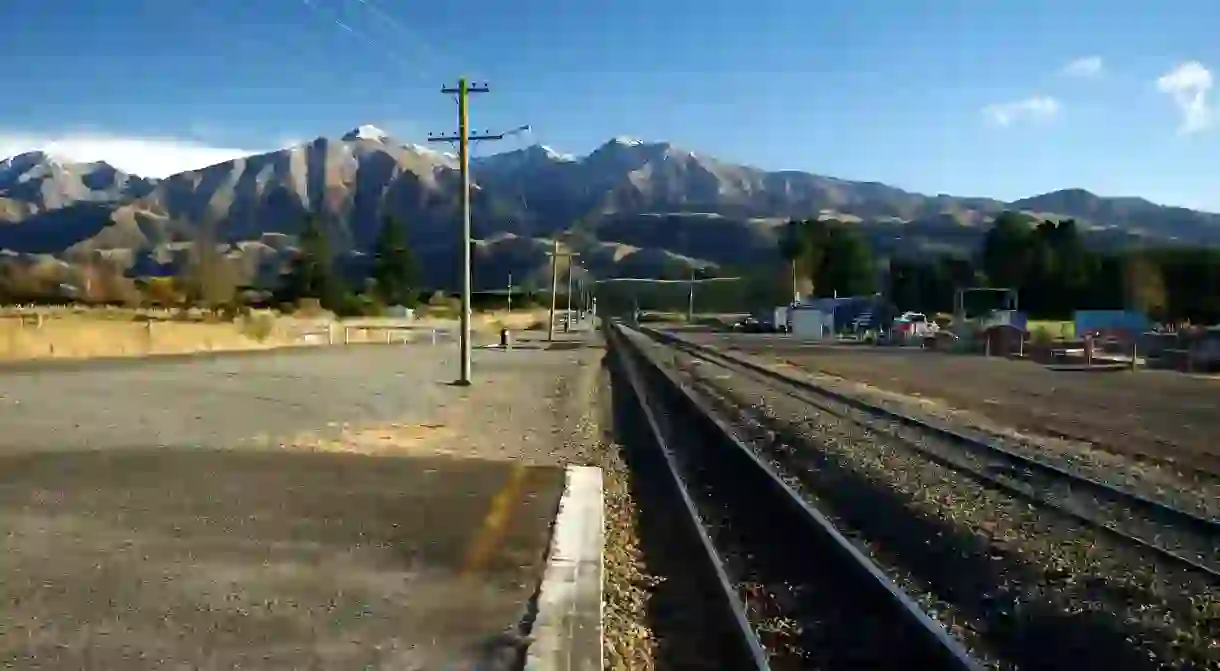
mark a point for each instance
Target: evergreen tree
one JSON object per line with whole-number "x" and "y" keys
{"x": 394, "y": 273}
{"x": 311, "y": 273}
{"x": 847, "y": 266}
{"x": 794, "y": 249}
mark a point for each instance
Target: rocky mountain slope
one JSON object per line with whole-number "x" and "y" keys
{"x": 630, "y": 207}
{"x": 36, "y": 182}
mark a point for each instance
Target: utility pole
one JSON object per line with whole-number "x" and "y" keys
{"x": 796, "y": 292}
{"x": 690, "y": 299}
{"x": 510, "y": 292}
{"x": 567, "y": 321}
{"x": 555, "y": 254}
{"x": 463, "y": 137}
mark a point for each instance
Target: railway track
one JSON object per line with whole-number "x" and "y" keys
{"x": 1095, "y": 426}
{"x": 796, "y": 592}
{"x": 1177, "y": 537}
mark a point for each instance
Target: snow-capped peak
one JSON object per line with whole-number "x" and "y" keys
{"x": 629, "y": 141}
{"x": 366, "y": 132}
{"x": 33, "y": 165}
{"x": 535, "y": 156}
{"x": 428, "y": 151}
{"x": 554, "y": 155}
{"x": 29, "y": 159}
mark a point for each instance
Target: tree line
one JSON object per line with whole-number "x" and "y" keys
{"x": 1046, "y": 263}
{"x": 210, "y": 279}
{"x": 392, "y": 278}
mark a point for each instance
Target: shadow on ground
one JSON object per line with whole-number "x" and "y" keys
{"x": 141, "y": 559}
{"x": 683, "y": 609}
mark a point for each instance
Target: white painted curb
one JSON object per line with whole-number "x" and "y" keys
{"x": 567, "y": 632}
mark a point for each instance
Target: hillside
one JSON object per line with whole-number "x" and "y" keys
{"x": 637, "y": 208}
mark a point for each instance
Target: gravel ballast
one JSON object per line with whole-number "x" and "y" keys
{"x": 661, "y": 612}
{"x": 1189, "y": 489}
{"x": 1016, "y": 583}
{"x": 805, "y": 600}
{"x": 1161, "y": 420}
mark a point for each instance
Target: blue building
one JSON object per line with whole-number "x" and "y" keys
{"x": 850, "y": 313}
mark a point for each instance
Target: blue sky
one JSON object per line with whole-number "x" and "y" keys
{"x": 969, "y": 97}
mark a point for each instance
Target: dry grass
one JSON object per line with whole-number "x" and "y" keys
{"x": 82, "y": 335}
{"x": 79, "y": 334}
{"x": 517, "y": 320}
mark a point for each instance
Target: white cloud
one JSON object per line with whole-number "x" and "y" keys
{"x": 1036, "y": 108}
{"x": 1189, "y": 84}
{"x": 144, "y": 156}
{"x": 1087, "y": 66}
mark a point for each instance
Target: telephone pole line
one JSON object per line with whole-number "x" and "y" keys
{"x": 463, "y": 138}
{"x": 567, "y": 319}
{"x": 555, "y": 255}
{"x": 691, "y": 282}
{"x": 690, "y": 299}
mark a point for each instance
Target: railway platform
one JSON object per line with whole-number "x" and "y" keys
{"x": 209, "y": 560}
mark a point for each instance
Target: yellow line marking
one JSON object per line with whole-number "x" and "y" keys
{"x": 495, "y": 522}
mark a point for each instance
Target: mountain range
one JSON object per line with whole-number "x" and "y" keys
{"x": 629, "y": 207}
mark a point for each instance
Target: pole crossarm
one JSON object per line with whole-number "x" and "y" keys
{"x": 651, "y": 280}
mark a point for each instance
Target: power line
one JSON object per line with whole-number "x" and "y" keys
{"x": 691, "y": 282}
{"x": 399, "y": 59}
{"x": 338, "y": 81}
{"x": 653, "y": 280}
{"x": 387, "y": 19}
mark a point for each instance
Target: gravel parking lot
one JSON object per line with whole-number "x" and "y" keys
{"x": 228, "y": 510}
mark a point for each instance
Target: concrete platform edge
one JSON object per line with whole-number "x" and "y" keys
{"x": 567, "y": 631}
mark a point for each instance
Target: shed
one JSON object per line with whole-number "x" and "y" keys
{"x": 809, "y": 322}
{"x": 847, "y": 313}
{"x": 1003, "y": 340}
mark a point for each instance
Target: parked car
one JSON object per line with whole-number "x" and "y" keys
{"x": 754, "y": 325}
{"x": 911, "y": 327}
{"x": 751, "y": 325}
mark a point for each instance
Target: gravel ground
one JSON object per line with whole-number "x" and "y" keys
{"x": 218, "y": 402}
{"x": 1159, "y": 444}
{"x": 1027, "y": 589}
{"x": 1191, "y": 490}
{"x": 389, "y": 400}
{"x": 1157, "y": 527}
{"x": 363, "y": 398}
{"x": 1165, "y": 416}
{"x": 806, "y": 610}
{"x": 90, "y": 434}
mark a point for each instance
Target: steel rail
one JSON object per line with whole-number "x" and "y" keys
{"x": 750, "y": 645}
{"x": 1168, "y": 514}
{"x": 948, "y": 651}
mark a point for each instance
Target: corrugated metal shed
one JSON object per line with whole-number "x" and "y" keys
{"x": 848, "y": 311}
